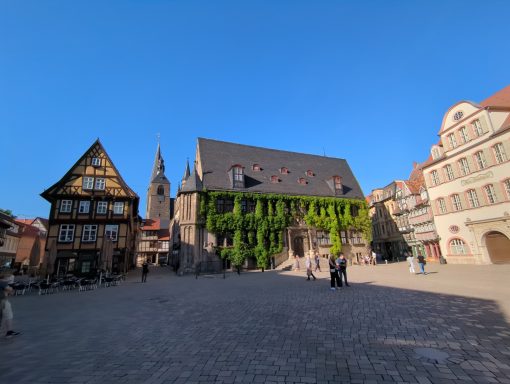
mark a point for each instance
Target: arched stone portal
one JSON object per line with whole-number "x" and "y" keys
{"x": 498, "y": 247}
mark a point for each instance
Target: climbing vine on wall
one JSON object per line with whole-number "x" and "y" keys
{"x": 258, "y": 233}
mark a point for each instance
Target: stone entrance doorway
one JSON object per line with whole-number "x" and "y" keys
{"x": 498, "y": 246}
{"x": 298, "y": 246}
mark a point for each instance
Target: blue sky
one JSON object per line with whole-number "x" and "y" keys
{"x": 368, "y": 81}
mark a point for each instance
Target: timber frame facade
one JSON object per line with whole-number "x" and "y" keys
{"x": 89, "y": 203}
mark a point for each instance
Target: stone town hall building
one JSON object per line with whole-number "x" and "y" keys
{"x": 232, "y": 170}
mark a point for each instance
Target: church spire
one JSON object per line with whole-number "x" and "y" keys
{"x": 186, "y": 172}
{"x": 158, "y": 169}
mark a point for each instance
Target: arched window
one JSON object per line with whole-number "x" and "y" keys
{"x": 458, "y": 247}
{"x": 161, "y": 190}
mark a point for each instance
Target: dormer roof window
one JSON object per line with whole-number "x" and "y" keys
{"x": 275, "y": 179}
{"x": 310, "y": 173}
{"x": 284, "y": 170}
{"x": 337, "y": 182}
{"x": 302, "y": 181}
{"x": 237, "y": 176}
{"x": 256, "y": 167}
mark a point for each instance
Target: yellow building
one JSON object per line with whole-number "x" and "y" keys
{"x": 89, "y": 204}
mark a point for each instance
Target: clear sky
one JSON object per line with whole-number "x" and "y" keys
{"x": 368, "y": 81}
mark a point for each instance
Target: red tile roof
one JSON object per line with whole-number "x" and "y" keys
{"x": 151, "y": 225}
{"x": 499, "y": 99}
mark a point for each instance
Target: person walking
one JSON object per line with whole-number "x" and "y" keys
{"x": 317, "y": 262}
{"x": 308, "y": 264}
{"x": 333, "y": 273}
{"x": 6, "y": 314}
{"x": 421, "y": 263}
{"x": 296, "y": 262}
{"x": 342, "y": 269}
{"x": 145, "y": 271}
{"x": 410, "y": 261}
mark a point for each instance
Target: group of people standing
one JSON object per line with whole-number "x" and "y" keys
{"x": 421, "y": 263}
{"x": 337, "y": 269}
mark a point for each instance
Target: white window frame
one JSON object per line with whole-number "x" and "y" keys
{"x": 480, "y": 160}
{"x": 464, "y": 166}
{"x": 118, "y": 208}
{"x": 477, "y": 125}
{"x": 473, "y": 198}
{"x": 464, "y": 137}
{"x": 88, "y": 182}
{"x": 490, "y": 193}
{"x": 456, "y": 202}
{"x": 457, "y": 247}
{"x": 96, "y": 162}
{"x": 499, "y": 153}
{"x": 89, "y": 233}
{"x": 506, "y": 183}
{"x": 452, "y": 141}
{"x": 111, "y": 231}
{"x": 100, "y": 184}
{"x": 102, "y": 207}
{"x": 449, "y": 172}
{"x": 84, "y": 206}
{"x": 66, "y": 233}
{"x": 66, "y": 206}
{"x": 434, "y": 175}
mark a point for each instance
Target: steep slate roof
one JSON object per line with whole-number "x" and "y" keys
{"x": 217, "y": 158}
{"x": 158, "y": 169}
{"x": 193, "y": 182}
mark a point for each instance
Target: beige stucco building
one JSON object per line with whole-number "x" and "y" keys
{"x": 468, "y": 181}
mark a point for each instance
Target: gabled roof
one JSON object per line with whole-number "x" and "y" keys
{"x": 52, "y": 192}
{"x": 217, "y": 157}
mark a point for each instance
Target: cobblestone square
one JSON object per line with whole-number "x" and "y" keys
{"x": 450, "y": 326}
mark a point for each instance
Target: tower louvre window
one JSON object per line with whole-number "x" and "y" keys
{"x": 161, "y": 190}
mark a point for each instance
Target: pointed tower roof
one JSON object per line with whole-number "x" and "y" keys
{"x": 158, "y": 169}
{"x": 186, "y": 171}
{"x": 193, "y": 182}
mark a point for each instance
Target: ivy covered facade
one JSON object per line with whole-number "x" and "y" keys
{"x": 257, "y": 207}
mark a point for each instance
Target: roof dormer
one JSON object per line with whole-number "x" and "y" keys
{"x": 237, "y": 176}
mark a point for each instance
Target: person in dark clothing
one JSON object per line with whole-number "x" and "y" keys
{"x": 342, "y": 269}
{"x": 333, "y": 272}
{"x": 145, "y": 271}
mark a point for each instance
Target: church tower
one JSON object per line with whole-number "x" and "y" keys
{"x": 158, "y": 193}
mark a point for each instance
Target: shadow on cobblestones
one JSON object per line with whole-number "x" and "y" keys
{"x": 257, "y": 327}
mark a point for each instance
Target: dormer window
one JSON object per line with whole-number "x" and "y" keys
{"x": 337, "y": 180}
{"x": 237, "y": 176}
{"x": 310, "y": 173}
{"x": 284, "y": 170}
{"x": 275, "y": 179}
{"x": 302, "y": 181}
{"x": 96, "y": 162}
{"x": 256, "y": 168}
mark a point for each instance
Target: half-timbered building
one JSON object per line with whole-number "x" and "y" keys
{"x": 89, "y": 204}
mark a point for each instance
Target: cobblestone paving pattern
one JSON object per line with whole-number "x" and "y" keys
{"x": 272, "y": 327}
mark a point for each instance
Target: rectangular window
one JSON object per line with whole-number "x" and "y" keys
{"x": 456, "y": 202}
{"x": 491, "y": 194}
{"x": 85, "y": 266}
{"x": 480, "y": 160}
{"x": 448, "y": 170}
{"x": 435, "y": 177}
{"x": 463, "y": 135}
{"x": 100, "y": 184}
{"x": 464, "y": 166}
{"x": 499, "y": 153}
{"x": 66, "y": 233}
{"x": 442, "y": 205}
{"x": 229, "y": 205}
{"x": 84, "y": 207}
{"x": 323, "y": 238}
{"x": 102, "y": 207}
{"x": 473, "y": 198}
{"x": 66, "y": 206}
{"x": 343, "y": 235}
{"x": 478, "y": 127}
{"x": 89, "y": 233}
{"x": 88, "y": 182}
{"x": 111, "y": 232}
{"x": 220, "y": 205}
{"x": 507, "y": 187}
{"x": 452, "y": 141}
{"x": 96, "y": 161}
{"x": 118, "y": 208}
